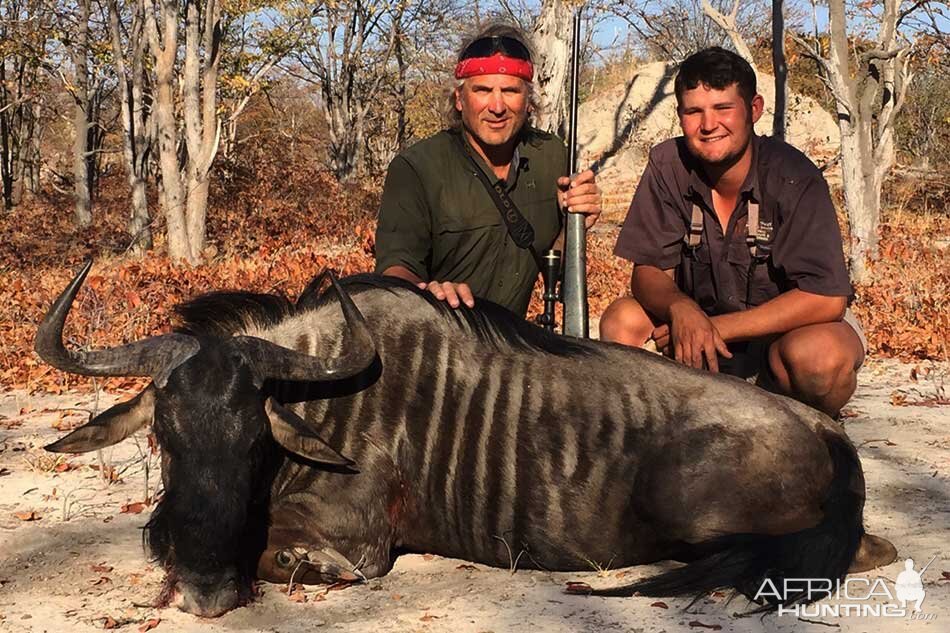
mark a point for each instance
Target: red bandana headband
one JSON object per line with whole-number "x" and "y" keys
{"x": 497, "y": 64}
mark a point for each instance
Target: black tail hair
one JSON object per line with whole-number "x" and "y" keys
{"x": 745, "y": 561}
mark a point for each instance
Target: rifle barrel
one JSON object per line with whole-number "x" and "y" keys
{"x": 575, "y": 248}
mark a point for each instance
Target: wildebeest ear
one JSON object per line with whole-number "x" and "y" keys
{"x": 291, "y": 432}
{"x": 111, "y": 426}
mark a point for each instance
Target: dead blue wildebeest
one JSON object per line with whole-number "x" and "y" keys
{"x": 317, "y": 439}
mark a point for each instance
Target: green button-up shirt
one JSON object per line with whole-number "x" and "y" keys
{"x": 437, "y": 219}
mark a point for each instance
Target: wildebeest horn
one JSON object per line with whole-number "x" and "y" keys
{"x": 273, "y": 361}
{"x": 156, "y": 356}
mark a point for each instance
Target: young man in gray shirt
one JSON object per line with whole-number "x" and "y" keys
{"x": 738, "y": 263}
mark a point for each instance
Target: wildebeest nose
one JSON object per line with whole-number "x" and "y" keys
{"x": 210, "y": 601}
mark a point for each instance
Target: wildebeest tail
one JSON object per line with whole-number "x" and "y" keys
{"x": 745, "y": 561}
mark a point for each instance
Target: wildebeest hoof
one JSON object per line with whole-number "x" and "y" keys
{"x": 873, "y": 552}
{"x": 334, "y": 564}
{"x": 309, "y": 566}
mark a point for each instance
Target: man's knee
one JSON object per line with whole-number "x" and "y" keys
{"x": 818, "y": 360}
{"x": 624, "y": 321}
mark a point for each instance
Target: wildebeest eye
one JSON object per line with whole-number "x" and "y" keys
{"x": 284, "y": 558}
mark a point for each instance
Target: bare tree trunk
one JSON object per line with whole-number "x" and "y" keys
{"x": 22, "y": 41}
{"x": 34, "y": 158}
{"x": 81, "y": 112}
{"x": 164, "y": 51}
{"x": 185, "y": 193}
{"x": 337, "y": 55}
{"x": 135, "y": 126}
{"x": 202, "y": 129}
{"x": 728, "y": 24}
{"x": 779, "y": 68}
{"x": 552, "y": 43}
{"x": 868, "y": 100}
{"x": 6, "y": 142}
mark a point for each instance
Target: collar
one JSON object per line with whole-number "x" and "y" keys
{"x": 698, "y": 192}
{"x": 519, "y": 163}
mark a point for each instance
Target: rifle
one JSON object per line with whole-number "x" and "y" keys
{"x": 933, "y": 558}
{"x": 574, "y": 286}
{"x": 573, "y": 292}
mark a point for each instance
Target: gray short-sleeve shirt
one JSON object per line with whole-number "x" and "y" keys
{"x": 805, "y": 247}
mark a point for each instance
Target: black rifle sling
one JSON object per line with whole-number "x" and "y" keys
{"x": 520, "y": 230}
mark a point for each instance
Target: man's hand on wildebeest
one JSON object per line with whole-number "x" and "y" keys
{"x": 452, "y": 293}
{"x": 691, "y": 337}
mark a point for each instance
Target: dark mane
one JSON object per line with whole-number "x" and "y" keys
{"x": 222, "y": 314}
{"x": 491, "y": 323}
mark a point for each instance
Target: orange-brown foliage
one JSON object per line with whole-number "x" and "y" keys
{"x": 276, "y": 225}
{"x": 270, "y": 234}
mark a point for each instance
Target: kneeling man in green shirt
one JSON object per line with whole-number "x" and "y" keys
{"x": 439, "y": 226}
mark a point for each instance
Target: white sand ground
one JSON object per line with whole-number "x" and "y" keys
{"x": 81, "y": 563}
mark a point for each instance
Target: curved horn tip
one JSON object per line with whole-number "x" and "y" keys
{"x": 47, "y": 343}
{"x": 79, "y": 277}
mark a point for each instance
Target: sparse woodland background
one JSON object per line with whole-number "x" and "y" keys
{"x": 195, "y": 145}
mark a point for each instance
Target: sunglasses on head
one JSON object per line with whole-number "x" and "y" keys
{"x": 488, "y": 46}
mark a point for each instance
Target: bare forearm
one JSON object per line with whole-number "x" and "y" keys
{"x": 792, "y": 309}
{"x": 656, "y": 291}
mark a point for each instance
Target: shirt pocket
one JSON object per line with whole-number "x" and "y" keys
{"x": 746, "y": 292}
{"x": 698, "y": 281}
{"x": 469, "y": 209}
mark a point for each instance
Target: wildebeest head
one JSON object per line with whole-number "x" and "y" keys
{"x": 214, "y": 427}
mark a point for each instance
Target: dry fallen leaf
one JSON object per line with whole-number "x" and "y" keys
{"x": 133, "y": 508}
{"x": 578, "y": 587}
{"x": 100, "y": 581}
{"x": 661, "y": 605}
{"x": 428, "y": 617}
{"x": 28, "y": 516}
{"x": 109, "y": 622}
{"x": 714, "y": 627}
{"x": 298, "y": 596}
{"x": 101, "y": 568}
{"x": 149, "y": 624}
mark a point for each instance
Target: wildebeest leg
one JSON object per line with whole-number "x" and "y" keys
{"x": 314, "y": 551}
{"x": 324, "y": 565}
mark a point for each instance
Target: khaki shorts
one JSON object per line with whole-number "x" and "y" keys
{"x": 750, "y": 359}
